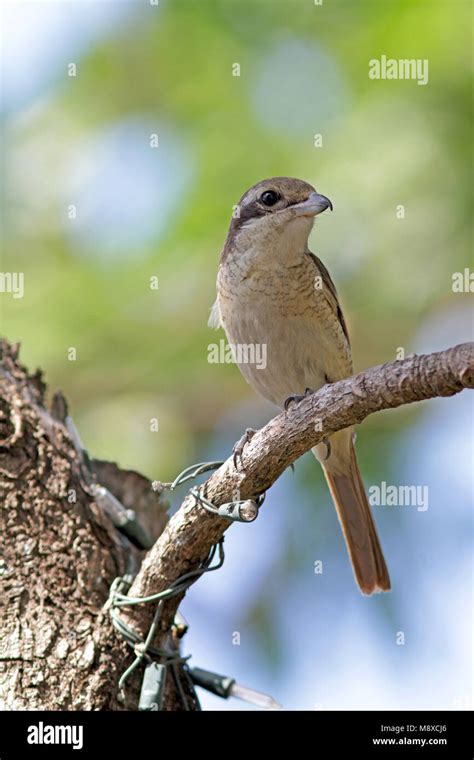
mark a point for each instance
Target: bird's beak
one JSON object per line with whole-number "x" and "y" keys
{"x": 313, "y": 206}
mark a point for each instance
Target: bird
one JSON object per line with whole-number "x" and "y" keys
{"x": 272, "y": 291}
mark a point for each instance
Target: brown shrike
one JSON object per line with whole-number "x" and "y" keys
{"x": 273, "y": 292}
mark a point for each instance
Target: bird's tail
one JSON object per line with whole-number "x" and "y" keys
{"x": 348, "y": 493}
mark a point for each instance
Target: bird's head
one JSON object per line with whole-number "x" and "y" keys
{"x": 277, "y": 212}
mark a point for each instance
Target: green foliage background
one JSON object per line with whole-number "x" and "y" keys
{"x": 143, "y": 353}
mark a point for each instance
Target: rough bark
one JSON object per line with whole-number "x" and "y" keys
{"x": 60, "y": 552}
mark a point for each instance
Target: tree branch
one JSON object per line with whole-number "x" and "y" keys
{"x": 192, "y": 530}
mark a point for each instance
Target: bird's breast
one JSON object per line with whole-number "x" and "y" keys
{"x": 289, "y": 323}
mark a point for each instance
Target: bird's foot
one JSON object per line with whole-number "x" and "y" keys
{"x": 239, "y": 447}
{"x": 297, "y": 399}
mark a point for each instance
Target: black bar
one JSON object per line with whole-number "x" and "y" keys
{"x": 314, "y": 735}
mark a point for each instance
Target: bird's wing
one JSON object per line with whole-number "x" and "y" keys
{"x": 331, "y": 294}
{"x": 215, "y": 317}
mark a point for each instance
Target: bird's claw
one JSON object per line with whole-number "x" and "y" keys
{"x": 292, "y": 400}
{"x": 239, "y": 447}
{"x": 297, "y": 399}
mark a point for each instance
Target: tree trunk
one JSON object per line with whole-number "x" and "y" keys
{"x": 59, "y": 554}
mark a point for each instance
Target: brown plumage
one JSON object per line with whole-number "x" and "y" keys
{"x": 272, "y": 291}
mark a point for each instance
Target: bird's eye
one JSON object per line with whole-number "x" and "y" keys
{"x": 269, "y": 198}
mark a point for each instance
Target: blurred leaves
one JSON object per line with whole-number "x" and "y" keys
{"x": 144, "y": 212}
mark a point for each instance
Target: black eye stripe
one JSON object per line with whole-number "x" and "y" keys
{"x": 252, "y": 210}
